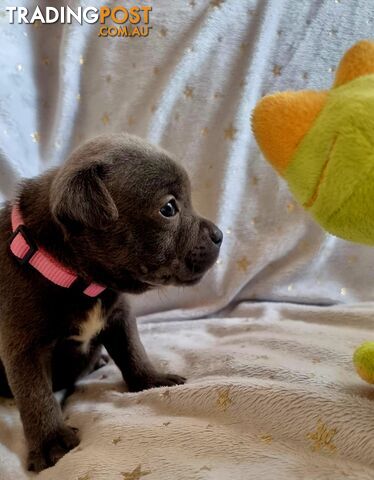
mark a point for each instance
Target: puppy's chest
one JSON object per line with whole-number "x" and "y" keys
{"x": 87, "y": 328}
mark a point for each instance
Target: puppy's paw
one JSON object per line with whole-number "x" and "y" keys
{"x": 53, "y": 448}
{"x": 155, "y": 380}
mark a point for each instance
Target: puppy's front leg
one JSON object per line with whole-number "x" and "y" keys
{"x": 47, "y": 436}
{"x": 121, "y": 339}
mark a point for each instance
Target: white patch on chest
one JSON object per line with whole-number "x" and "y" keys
{"x": 90, "y": 327}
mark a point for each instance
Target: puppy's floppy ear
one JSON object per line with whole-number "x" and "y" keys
{"x": 79, "y": 196}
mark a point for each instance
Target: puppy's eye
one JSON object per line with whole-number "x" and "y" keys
{"x": 170, "y": 209}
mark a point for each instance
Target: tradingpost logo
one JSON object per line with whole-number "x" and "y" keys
{"x": 116, "y": 21}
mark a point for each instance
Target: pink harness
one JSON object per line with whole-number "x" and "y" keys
{"x": 25, "y": 249}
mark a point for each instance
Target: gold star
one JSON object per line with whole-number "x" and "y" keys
{"x": 216, "y": 3}
{"x": 266, "y": 438}
{"x": 116, "y": 440}
{"x": 136, "y": 474}
{"x": 322, "y": 438}
{"x": 105, "y": 119}
{"x": 35, "y": 137}
{"x": 290, "y": 207}
{"x": 156, "y": 70}
{"x": 165, "y": 394}
{"x": 163, "y": 32}
{"x": 243, "y": 264}
{"x": 81, "y": 60}
{"x": 254, "y": 180}
{"x": 204, "y": 131}
{"x": 277, "y": 70}
{"x": 188, "y": 92}
{"x": 46, "y": 61}
{"x": 224, "y": 400}
{"x": 230, "y": 132}
{"x": 85, "y": 477}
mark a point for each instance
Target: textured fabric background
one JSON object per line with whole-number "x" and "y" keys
{"x": 271, "y": 395}
{"x": 190, "y": 86}
{"x": 272, "y": 392}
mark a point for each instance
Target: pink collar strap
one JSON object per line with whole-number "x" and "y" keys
{"x": 24, "y": 248}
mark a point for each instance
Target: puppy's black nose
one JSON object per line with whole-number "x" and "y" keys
{"x": 216, "y": 235}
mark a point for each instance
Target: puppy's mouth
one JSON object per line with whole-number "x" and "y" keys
{"x": 164, "y": 280}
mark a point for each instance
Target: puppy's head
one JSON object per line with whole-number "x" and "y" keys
{"x": 125, "y": 207}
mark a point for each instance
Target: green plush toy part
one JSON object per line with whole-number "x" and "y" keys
{"x": 322, "y": 143}
{"x": 363, "y": 360}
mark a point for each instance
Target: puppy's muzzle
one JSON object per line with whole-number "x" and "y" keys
{"x": 203, "y": 255}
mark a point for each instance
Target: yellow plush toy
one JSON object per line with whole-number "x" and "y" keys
{"x": 322, "y": 144}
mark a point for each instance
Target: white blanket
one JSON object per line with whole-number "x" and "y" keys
{"x": 191, "y": 87}
{"x": 271, "y": 394}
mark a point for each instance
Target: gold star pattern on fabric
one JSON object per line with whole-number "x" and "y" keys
{"x": 105, "y": 119}
{"x": 35, "y": 137}
{"x": 322, "y": 438}
{"x": 81, "y": 60}
{"x": 254, "y": 180}
{"x": 230, "y": 132}
{"x": 163, "y": 32}
{"x": 165, "y": 394}
{"x": 290, "y": 207}
{"x": 266, "y": 439}
{"x": 224, "y": 400}
{"x": 116, "y": 440}
{"x": 216, "y": 3}
{"x": 243, "y": 264}
{"x": 188, "y": 92}
{"x": 85, "y": 477}
{"x": 218, "y": 95}
{"x": 277, "y": 70}
{"x": 136, "y": 474}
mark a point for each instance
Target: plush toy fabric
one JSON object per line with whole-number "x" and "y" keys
{"x": 322, "y": 143}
